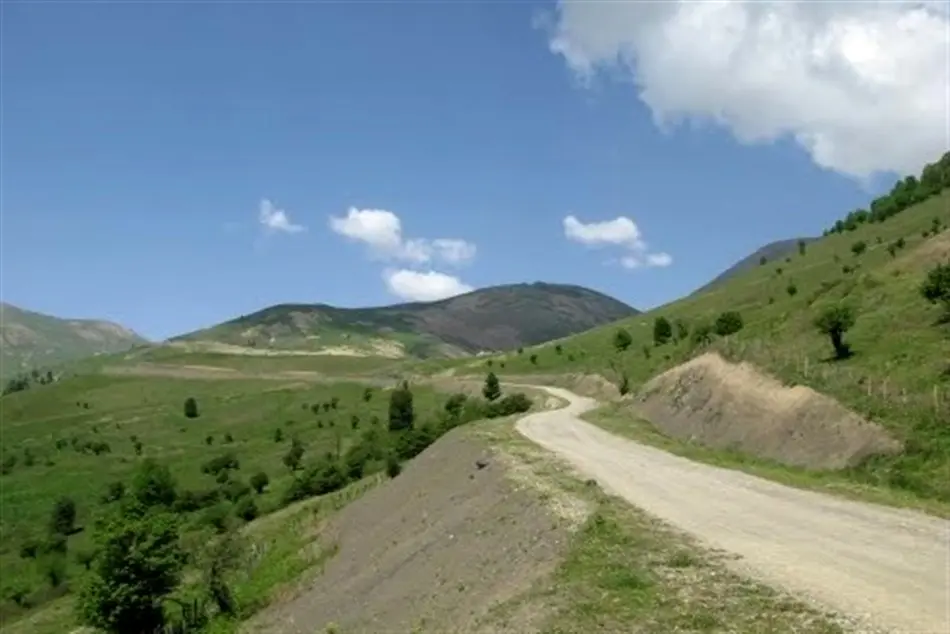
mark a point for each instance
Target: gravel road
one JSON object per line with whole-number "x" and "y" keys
{"x": 886, "y": 568}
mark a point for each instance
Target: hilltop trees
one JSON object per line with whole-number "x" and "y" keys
{"x": 834, "y": 321}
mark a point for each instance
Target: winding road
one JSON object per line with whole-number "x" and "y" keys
{"x": 888, "y": 568}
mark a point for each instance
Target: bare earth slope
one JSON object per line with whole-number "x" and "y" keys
{"x": 889, "y": 568}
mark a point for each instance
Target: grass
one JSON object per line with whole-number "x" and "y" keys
{"x": 335, "y": 365}
{"x": 626, "y": 571}
{"x": 150, "y": 410}
{"x": 899, "y": 375}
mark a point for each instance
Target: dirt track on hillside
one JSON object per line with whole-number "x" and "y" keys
{"x": 887, "y": 567}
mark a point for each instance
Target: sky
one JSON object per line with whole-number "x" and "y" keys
{"x": 171, "y": 165}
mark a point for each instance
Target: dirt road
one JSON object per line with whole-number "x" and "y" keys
{"x": 887, "y": 568}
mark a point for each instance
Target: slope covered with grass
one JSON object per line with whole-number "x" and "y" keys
{"x": 874, "y": 265}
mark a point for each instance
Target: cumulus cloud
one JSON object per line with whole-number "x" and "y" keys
{"x": 276, "y": 220}
{"x": 423, "y": 286}
{"x": 861, "y": 86}
{"x": 619, "y": 232}
{"x": 381, "y": 231}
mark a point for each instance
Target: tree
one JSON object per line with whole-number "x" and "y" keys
{"x": 622, "y": 340}
{"x": 153, "y": 485}
{"x": 294, "y": 454}
{"x": 260, "y": 481}
{"x": 834, "y": 321}
{"x": 492, "y": 389}
{"x": 401, "y": 412}
{"x": 367, "y": 395}
{"x": 191, "y": 407}
{"x": 558, "y": 349}
{"x": 859, "y": 247}
{"x": 702, "y": 335}
{"x": 936, "y": 286}
{"x": 728, "y": 323}
{"x": 454, "y": 405}
{"x": 533, "y": 359}
{"x": 682, "y": 329}
{"x": 801, "y": 247}
{"x": 63, "y": 519}
{"x": 662, "y": 331}
{"x": 791, "y": 289}
{"x": 138, "y": 563}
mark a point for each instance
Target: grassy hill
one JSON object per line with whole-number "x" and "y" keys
{"x": 34, "y": 340}
{"x": 495, "y": 318}
{"x": 872, "y": 262}
{"x": 773, "y": 251}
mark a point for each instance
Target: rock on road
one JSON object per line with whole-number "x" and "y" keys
{"x": 887, "y": 568}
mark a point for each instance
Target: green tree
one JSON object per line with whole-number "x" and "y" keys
{"x": 259, "y": 481}
{"x": 791, "y": 289}
{"x": 533, "y": 359}
{"x": 138, "y": 563}
{"x": 191, "y": 407}
{"x": 454, "y": 405}
{"x": 401, "y": 412}
{"x": 662, "y": 331}
{"x": 558, "y": 349}
{"x": 728, "y": 323}
{"x": 622, "y": 340}
{"x": 936, "y": 286}
{"x": 367, "y": 395}
{"x": 492, "y": 389}
{"x": 801, "y": 247}
{"x": 682, "y": 329}
{"x": 834, "y": 321}
{"x": 153, "y": 485}
{"x": 294, "y": 455}
{"x": 859, "y": 247}
{"x": 63, "y": 519}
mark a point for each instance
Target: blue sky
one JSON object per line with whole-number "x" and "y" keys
{"x": 146, "y": 147}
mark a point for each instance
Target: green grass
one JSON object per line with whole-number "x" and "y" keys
{"x": 899, "y": 375}
{"x": 151, "y": 409}
{"x": 335, "y": 365}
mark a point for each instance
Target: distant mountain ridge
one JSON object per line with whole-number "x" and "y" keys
{"x": 772, "y": 251}
{"x": 30, "y": 340}
{"x": 493, "y": 318}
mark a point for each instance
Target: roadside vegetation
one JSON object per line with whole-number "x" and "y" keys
{"x": 94, "y": 464}
{"x": 860, "y": 315}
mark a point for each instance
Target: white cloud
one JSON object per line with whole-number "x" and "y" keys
{"x": 619, "y": 232}
{"x": 861, "y": 86}
{"x": 381, "y": 231}
{"x": 274, "y": 219}
{"x": 423, "y": 286}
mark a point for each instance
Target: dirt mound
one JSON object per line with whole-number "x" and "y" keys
{"x": 726, "y": 405}
{"x": 432, "y": 550}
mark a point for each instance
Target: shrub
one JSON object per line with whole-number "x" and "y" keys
{"x": 294, "y": 455}
{"x": 246, "y": 508}
{"x": 367, "y": 395}
{"x": 763, "y": 261}
{"x": 682, "y": 329}
{"x": 354, "y": 422}
{"x": 834, "y": 321}
{"x": 115, "y": 491}
{"x": 191, "y": 408}
{"x": 454, "y": 404}
{"x": 334, "y": 402}
{"x": 153, "y": 485}
{"x": 702, "y": 335}
{"x": 228, "y": 438}
{"x": 401, "y": 412}
{"x": 728, "y": 323}
{"x": 936, "y": 286}
{"x": 209, "y": 439}
{"x": 224, "y": 462}
{"x": 662, "y": 331}
{"x": 259, "y": 481}
{"x": 217, "y": 517}
{"x": 859, "y": 247}
{"x": 492, "y": 389}
{"x": 512, "y": 404}
{"x": 393, "y": 468}
{"x": 801, "y": 247}
{"x": 234, "y": 490}
{"x": 533, "y": 359}
{"x": 791, "y": 289}
{"x": 622, "y": 340}
{"x": 137, "y": 447}
{"x": 63, "y": 517}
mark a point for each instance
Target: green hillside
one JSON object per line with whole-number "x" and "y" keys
{"x": 32, "y": 340}
{"x": 494, "y": 318}
{"x": 873, "y": 262}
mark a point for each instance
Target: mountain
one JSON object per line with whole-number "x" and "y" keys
{"x": 772, "y": 251}
{"x": 30, "y": 340}
{"x": 494, "y": 318}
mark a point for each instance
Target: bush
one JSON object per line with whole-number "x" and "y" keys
{"x": 936, "y": 286}
{"x": 859, "y": 247}
{"x": 492, "y": 389}
{"x": 393, "y": 468}
{"x": 791, "y": 289}
{"x": 217, "y": 517}
{"x": 401, "y": 412}
{"x": 115, "y": 491}
{"x": 294, "y": 455}
{"x": 63, "y": 518}
{"x": 728, "y": 323}
{"x": 801, "y": 247}
{"x": 367, "y": 395}
{"x": 334, "y": 402}
{"x": 209, "y": 439}
{"x": 702, "y": 335}
{"x": 153, "y": 485}
{"x": 622, "y": 340}
{"x": 259, "y": 481}
{"x": 246, "y": 508}
{"x": 228, "y": 438}
{"x": 512, "y": 404}
{"x": 662, "y": 331}
{"x": 354, "y": 422}
{"x": 533, "y": 359}
{"x": 191, "y": 408}
{"x": 224, "y": 462}
{"x": 235, "y": 490}
{"x": 682, "y": 330}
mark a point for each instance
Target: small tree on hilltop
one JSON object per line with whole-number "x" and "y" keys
{"x": 191, "y": 408}
{"x": 492, "y": 389}
{"x": 936, "y": 287}
{"x": 834, "y": 321}
{"x": 401, "y": 412}
{"x": 622, "y": 340}
{"x": 662, "y": 331}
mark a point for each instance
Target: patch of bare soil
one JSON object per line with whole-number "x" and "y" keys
{"x": 734, "y": 406}
{"x": 432, "y": 550}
